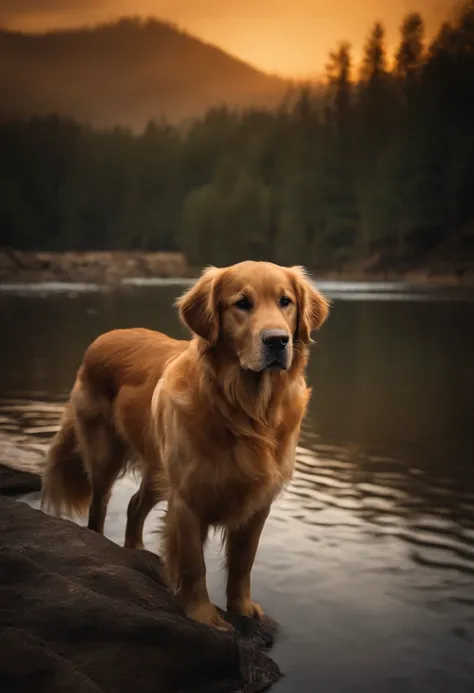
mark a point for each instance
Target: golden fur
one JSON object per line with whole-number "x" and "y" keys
{"x": 211, "y": 423}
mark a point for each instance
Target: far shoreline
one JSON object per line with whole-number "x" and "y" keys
{"x": 113, "y": 268}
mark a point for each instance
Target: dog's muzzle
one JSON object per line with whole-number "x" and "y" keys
{"x": 275, "y": 349}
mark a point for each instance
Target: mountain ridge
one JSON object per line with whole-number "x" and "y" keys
{"x": 127, "y": 73}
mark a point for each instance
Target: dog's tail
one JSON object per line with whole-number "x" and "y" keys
{"x": 66, "y": 488}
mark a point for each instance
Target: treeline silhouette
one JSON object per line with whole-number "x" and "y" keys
{"x": 381, "y": 166}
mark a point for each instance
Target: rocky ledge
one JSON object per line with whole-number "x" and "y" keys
{"x": 14, "y": 482}
{"x": 83, "y": 615}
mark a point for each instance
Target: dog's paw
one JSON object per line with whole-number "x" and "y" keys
{"x": 247, "y": 608}
{"x": 208, "y": 614}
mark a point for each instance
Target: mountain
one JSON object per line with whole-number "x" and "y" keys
{"x": 125, "y": 73}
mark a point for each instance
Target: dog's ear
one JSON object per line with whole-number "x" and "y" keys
{"x": 313, "y": 308}
{"x": 199, "y": 307}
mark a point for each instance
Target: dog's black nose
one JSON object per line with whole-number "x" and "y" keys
{"x": 276, "y": 340}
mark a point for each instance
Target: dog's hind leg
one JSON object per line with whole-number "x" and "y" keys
{"x": 141, "y": 503}
{"x": 103, "y": 477}
{"x": 103, "y": 452}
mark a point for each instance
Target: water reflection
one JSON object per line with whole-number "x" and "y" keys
{"x": 370, "y": 550}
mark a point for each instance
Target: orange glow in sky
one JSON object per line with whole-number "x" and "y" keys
{"x": 289, "y": 37}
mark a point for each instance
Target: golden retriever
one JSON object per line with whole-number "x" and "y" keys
{"x": 212, "y": 422}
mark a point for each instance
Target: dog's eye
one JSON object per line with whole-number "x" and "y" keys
{"x": 243, "y": 304}
{"x": 285, "y": 301}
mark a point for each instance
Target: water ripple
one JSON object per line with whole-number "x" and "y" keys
{"x": 335, "y": 496}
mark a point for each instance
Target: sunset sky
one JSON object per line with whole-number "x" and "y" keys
{"x": 290, "y": 37}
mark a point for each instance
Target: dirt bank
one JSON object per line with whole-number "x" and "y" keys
{"x": 109, "y": 267}
{"x": 105, "y": 267}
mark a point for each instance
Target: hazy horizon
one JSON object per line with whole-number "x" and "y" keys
{"x": 291, "y": 41}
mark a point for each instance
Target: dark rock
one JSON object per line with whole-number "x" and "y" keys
{"x": 14, "y": 481}
{"x": 80, "y": 614}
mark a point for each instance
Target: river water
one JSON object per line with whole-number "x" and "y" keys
{"x": 367, "y": 561}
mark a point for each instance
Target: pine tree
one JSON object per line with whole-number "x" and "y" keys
{"x": 410, "y": 54}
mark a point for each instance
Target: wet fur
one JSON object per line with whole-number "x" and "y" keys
{"x": 209, "y": 434}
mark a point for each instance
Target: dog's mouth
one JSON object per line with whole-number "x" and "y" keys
{"x": 275, "y": 365}
{"x": 268, "y": 363}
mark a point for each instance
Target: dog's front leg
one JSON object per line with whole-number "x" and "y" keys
{"x": 185, "y": 534}
{"x": 242, "y": 545}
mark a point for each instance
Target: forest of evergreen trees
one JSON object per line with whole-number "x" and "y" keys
{"x": 382, "y": 162}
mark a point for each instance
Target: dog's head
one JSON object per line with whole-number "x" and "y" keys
{"x": 257, "y": 311}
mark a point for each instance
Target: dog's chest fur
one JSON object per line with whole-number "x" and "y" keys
{"x": 227, "y": 457}
{"x": 231, "y": 477}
